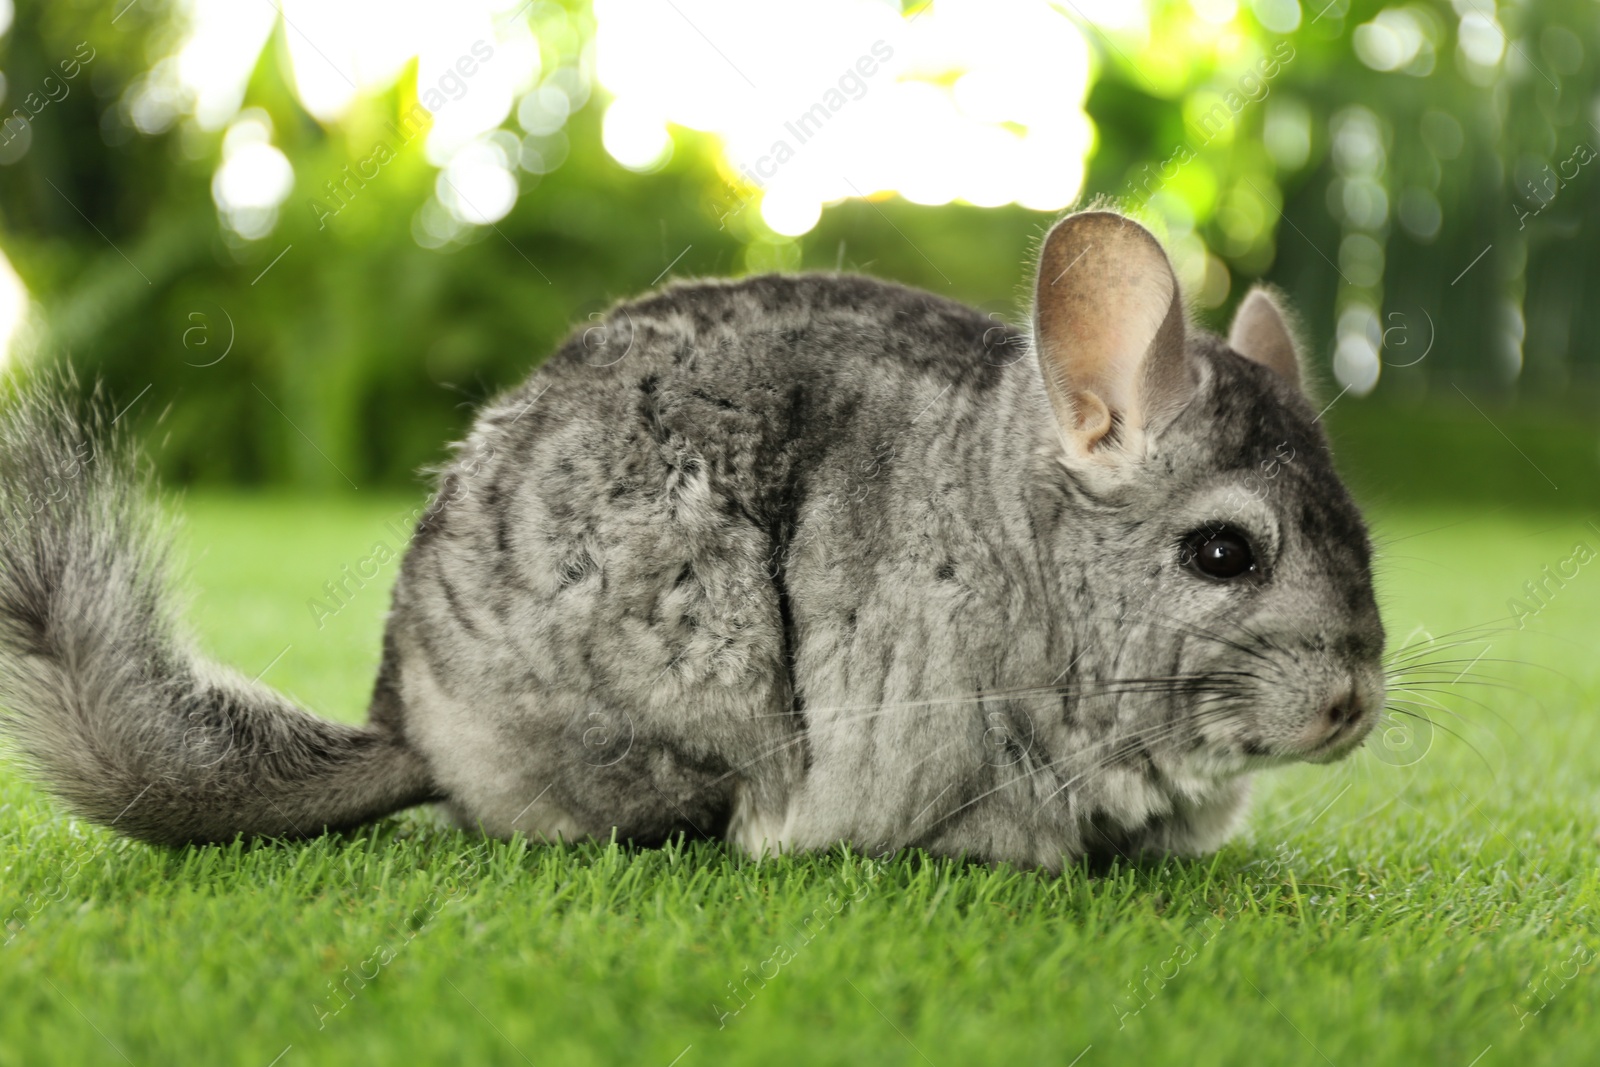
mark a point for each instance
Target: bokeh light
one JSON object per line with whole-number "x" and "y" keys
{"x": 974, "y": 101}
{"x": 978, "y": 101}
{"x": 254, "y": 178}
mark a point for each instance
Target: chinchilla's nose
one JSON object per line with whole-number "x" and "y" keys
{"x": 1344, "y": 715}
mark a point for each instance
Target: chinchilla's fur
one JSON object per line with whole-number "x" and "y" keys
{"x": 787, "y": 560}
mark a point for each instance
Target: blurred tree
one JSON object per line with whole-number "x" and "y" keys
{"x": 1402, "y": 157}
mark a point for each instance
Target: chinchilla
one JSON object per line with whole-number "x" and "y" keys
{"x": 786, "y": 560}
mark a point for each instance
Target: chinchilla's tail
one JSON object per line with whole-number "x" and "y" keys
{"x": 101, "y": 693}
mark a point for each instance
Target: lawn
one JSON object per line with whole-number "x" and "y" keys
{"x": 1433, "y": 899}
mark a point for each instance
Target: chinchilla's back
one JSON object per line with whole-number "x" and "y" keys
{"x": 772, "y": 380}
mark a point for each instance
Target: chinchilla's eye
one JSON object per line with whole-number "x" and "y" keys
{"x": 1220, "y": 552}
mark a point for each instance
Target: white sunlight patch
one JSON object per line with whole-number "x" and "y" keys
{"x": 979, "y": 101}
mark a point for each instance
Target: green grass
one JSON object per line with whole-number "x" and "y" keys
{"x": 1368, "y": 914}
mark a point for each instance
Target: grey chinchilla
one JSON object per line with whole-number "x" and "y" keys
{"x": 785, "y": 560}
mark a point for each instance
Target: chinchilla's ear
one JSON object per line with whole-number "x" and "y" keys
{"x": 1108, "y": 329}
{"x": 1261, "y": 333}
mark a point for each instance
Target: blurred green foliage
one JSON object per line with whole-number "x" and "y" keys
{"x": 353, "y": 353}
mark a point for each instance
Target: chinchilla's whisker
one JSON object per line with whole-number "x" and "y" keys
{"x": 1410, "y": 662}
{"x": 1470, "y": 672}
{"x": 1383, "y": 539}
{"x": 1432, "y": 704}
{"x": 1425, "y": 713}
{"x": 1101, "y": 688}
{"x": 1424, "y": 689}
{"x": 841, "y": 724}
{"x": 928, "y": 756}
{"x": 1095, "y": 688}
{"x": 1447, "y": 653}
{"x": 1155, "y": 734}
{"x": 1437, "y": 645}
{"x": 1463, "y": 670}
{"x": 1456, "y": 666}
{"x": 1431, "y": 697}
{"x": 1011, "y": 783}
{"x": 1443, "y": 683}
{"x": 761, "y": 757}
{"x": 1470, "y": 632}
{"x": 1452, "y": 691}
{"x": 1190, "y": 629}
{"x": 1403, "y": 701}
{"x": 1423, "y": 640}
{"x": 875, "y": 711}
{"x": 1425, "y": 710}
{"x": 1320, "y": 799}
{"x": 1441, "y": 726}
{"x": 1131, "y": 744}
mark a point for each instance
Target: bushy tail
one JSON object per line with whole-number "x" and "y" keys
{"x": 101, "y": 692}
